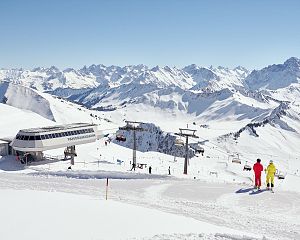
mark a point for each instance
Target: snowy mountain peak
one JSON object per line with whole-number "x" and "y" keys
{"x": 155, "y": 69}
{"x": 275, "y": 76}
{"x": 241, "y": 68}
{"x": 67, "y": 70}
{"x": 293, "y": 63}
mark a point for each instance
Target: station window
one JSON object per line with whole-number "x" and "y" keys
{"x": 47, "y": 136}
{"x": 26, "y": 138}
{"x": 38, "y": 137}
{"x": 42, "y": 137}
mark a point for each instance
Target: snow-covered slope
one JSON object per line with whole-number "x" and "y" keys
{"x": 25, "y": 98}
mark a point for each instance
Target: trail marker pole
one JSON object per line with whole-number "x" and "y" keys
{"x": 106, "y": 191}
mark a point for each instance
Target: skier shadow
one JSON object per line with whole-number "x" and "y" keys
{"x": 257, "y": 192}
{"x": 244, "y": 190}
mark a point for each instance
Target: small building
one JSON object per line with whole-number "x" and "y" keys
{"x": 4, "y": 148}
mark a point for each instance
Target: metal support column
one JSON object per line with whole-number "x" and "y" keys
{"x": 186, "y": 132}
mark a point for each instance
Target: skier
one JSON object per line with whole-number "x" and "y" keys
{"x": 17, "y": 156}
{"x": 169, "y": 170}
{"x": 258, "y": 168}
{"x": 150, "y": 169}
{"x": 133, "y": 167}
{"x": 270, "y": 171}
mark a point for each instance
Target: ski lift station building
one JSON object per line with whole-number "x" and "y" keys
{"x": 37, "y": 140}
{"x": 4, "y": 148}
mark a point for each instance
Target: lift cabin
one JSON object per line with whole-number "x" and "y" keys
{"x": 179, "y": 142}
{"x": 279, "y": 174}
{"x": 31, "y": 143}
{"x": 247, "y": 167}
{"x": 199, "y": 149}
{"x": 121, "y": 138}
{"x": 235, "y": 158}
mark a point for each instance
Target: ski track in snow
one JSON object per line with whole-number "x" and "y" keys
{"x": 155, "y": 192}
{"x": 272, "y": 215}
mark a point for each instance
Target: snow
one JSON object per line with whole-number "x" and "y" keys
{"x": 76, "y": 208}
{"x": 80, "y": 217}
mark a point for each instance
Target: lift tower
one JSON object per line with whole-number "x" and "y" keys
{"x": 186, "y": 132}
{"x": 133, "y": 126}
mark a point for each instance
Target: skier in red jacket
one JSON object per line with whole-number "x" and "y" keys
{"x": 258, "y": 168}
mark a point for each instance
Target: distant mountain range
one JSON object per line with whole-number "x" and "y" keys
{"x": 191, "y": 89}
{"x": 190, "y": 77}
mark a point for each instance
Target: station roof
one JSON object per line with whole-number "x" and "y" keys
{"x": 57, "y": 127}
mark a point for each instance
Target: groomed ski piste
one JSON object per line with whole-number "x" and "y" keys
{"x": 215, "y": 200}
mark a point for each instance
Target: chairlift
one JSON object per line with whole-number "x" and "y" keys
{"x": 120, "y": 138}
{"x": 247, "y": 168}
{"x": 179, "y": 142}
{"x": 281, "y": 176}
{"x": 199, "y": 149}
{"x": 236, "y": 160}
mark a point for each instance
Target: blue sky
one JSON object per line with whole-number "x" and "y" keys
{"x": 251, "y": 33}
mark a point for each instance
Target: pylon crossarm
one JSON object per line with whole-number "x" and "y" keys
{"x": 184, "y": 135}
